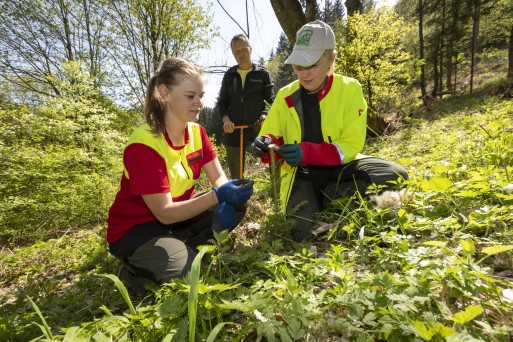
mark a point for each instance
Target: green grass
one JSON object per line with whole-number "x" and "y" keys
{"x": 438, "y": 268}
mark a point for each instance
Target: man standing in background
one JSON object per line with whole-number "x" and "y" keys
{"x": 244, "y": 90}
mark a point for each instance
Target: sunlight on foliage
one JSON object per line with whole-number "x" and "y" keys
{"x": 436, "y": 266}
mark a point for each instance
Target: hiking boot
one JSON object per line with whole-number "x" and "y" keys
{"x": 136, "y": 286}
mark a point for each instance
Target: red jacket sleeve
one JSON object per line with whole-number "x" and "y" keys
{"x": 323, "y": 154}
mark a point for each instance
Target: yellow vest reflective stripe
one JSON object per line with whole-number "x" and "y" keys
{"x": 180, "y": 175}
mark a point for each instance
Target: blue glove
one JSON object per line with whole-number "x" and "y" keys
{"x": 224, "y": 218}
{"x": 292, "y": 153}
{"x": 236, "y": 192}
{"x": 259, "y": 146}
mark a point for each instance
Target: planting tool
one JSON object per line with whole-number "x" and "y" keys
{"x": 241, "y": 148}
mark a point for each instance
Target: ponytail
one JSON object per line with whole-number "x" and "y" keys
{"x": 154, "y": 109}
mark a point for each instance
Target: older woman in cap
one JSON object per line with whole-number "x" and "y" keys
{"x": 318, "y": 126}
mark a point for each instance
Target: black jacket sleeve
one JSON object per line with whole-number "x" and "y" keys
{"x": 223, "y": 100}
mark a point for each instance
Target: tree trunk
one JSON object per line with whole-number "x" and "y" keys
{"x": 448, "y": 74}
{"x": 510, "y": 54}
{"x": 451, "y": 49}
{"x": 421, "y": 53}
{"x": 312, "y": 10}
{"x": 475, "y": 35}
{"x": 436, "y": 77}
{"x": 441, "y": 61}
{"x": 290, "y": 16}
{"x": 353, "y": 6}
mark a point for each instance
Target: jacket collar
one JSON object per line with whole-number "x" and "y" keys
{"x": 326, "y": 89}
{"x": 254, "y": 68}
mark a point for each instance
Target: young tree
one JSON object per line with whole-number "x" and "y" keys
{"x": 36, "y": 38}
{"x": 281, "y": 73}
{"x": 59, "y": 160}
{"x": 209, "y": 118}
{"x": 148, "y": 31}
{"x": 377, "y": 57}
{"x": 332, "y": 11}
{"x": 497, "y": 29}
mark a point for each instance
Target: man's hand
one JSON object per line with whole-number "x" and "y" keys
{"x": 292, "y": 153}
{"x": 228, "y": 125}
{"x": 260, "y": 146}
{"x": 236, "y": 192}
{"x": 224, "y": 217}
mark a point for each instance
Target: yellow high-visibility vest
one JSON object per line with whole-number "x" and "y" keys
{"x": 180, "y": 175}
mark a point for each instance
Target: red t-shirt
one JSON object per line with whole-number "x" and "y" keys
{"x": 148, "y": 175}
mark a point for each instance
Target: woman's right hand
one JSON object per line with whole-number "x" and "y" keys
{"x": 235, "y": 192}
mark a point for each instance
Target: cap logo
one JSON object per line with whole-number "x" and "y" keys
{"x": 304, "y": 37}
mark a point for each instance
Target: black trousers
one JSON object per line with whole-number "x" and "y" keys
{"x": 233, "y": 152}
{"x": 314, "y": 187}
{"x": 157, "y": 253}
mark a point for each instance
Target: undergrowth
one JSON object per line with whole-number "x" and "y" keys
{"x": 439, "y": 267}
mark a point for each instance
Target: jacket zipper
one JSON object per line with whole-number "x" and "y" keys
{"x": 187, "y": 173}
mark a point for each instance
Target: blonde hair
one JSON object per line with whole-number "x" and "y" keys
{"x": 330, "y": 54}
{"x": 170, "y": 73}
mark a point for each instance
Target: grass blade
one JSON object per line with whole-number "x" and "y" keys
{"x": 213, "y": 334}
{"x": 44, "y": 328}
{"x": 193, "y": 278}
{"x": 122, "y": 289}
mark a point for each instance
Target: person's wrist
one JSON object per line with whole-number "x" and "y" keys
{"x": 214, "y": 196}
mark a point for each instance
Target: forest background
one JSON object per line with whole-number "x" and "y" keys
{"x": 73, "y": 77}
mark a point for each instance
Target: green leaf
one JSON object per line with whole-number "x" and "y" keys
{"x": 168, "y": 337}
{"x": 170, "y": 307}
{"x": 443, "y": 330}
{"x": 44, "y": 328}
{"x": 467, "y": 193}
{"x": 122, "y": 289}
{"x": 370, "y": 319}
{"x": 100, "y": 337}
{"x": 181, "y": 330}
{"x": 471, "y": 312}
{"x": 257, "y": 301}
{"x": 204, "y": 288}
{"x": 435, "y": 243}
{"x": 71, "y": 334}
{"x": 467, "y": 246}
{"x": 295, "y": 330}
{"x": 496, "y": 249}
{"x": 422, "y": 330}
{"x": 213, "y": 334}
{"x": 438, "y": 184}
{"x": 401, "y": 213}
{"x": 193, "y": 277}
{"x": 284, "y": 335}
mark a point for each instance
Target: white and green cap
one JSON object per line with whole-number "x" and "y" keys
{"x": 311, "y": 42}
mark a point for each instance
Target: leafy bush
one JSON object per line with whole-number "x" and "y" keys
{"x": 59, "y": 163}
{"x": 377, "y": 57}
{"x": 436, "y": 268}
